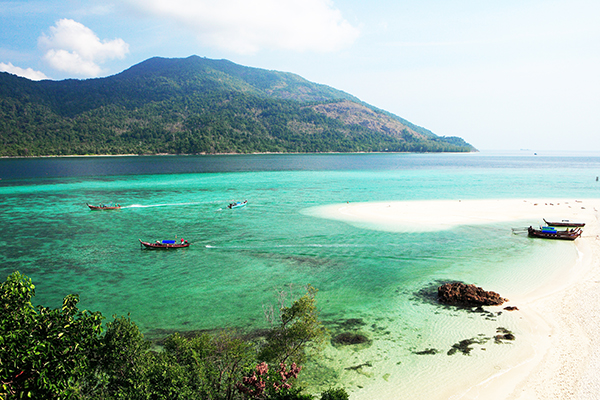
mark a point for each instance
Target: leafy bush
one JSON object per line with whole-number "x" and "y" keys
{"x": 334, "y": 394}
{"x": 44, "y": 352}
{"x": 294, "y": 328}
{"x": 64, "y": 354}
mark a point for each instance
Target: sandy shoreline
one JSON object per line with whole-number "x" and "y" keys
{"x": 563, "y": 314}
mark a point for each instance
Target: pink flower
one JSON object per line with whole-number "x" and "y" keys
{"x": 262, "y": 368}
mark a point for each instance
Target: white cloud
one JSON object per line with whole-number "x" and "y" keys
{"x": 247, "y": 26}
{"x": 74, "y": 48}
{"x": 25, "y": 73}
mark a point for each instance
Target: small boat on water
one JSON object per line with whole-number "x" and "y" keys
{"x": 165, "y": 244}
{"x": 104, "y": 206}
{"x": 565, "y": 222}
{"x": 238, "y": 204}
{"x": 550, "y": 232}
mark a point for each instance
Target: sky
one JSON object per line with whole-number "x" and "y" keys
{"x": 503, "y": 75}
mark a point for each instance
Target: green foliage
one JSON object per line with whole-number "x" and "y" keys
{"x": 123, "y": 359}
{"x": 290, "y": 394}
{"x": 188, "y": 106}
{"x": 167, "y": 380}
{"x": 215, "y": 363}
{"x": 43, "y": 352}
{"x": 63, "y": 353}
{"x": 334, "y": 394}
{"x": 297, "y": 326}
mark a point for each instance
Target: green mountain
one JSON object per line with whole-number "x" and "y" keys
{"x": 197, "y": 105}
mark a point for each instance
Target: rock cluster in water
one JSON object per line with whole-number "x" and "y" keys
{"x": 348, "y": 338}
{"x": 461, "y": 294}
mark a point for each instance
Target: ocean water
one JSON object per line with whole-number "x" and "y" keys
{"x": 379, "y": 284}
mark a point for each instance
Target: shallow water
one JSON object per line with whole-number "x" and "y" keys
{"x": 239, "y": 258}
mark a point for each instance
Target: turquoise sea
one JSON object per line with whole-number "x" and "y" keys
{"x": 377, "y": 283}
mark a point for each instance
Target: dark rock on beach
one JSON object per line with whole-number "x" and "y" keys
{"x": 461, "y": 294}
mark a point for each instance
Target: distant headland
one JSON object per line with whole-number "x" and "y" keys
{"x": 197, "y": 105}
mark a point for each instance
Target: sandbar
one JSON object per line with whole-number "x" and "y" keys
{"x": 563, "y": 314}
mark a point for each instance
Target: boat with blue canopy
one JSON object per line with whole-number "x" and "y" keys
{"x": 550, "y": 232}
{"x": 165, "y": 244}
{"x": 238, "y": 204}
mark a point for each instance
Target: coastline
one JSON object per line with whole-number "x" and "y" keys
{"x": 225, "y": 154}
{"x": 563, "y": 314}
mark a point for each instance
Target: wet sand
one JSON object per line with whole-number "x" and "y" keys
{"x": 563, "y": 315}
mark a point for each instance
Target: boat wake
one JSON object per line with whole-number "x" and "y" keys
{"x": 280, "y": 246}
{"x": 159, "y": 205}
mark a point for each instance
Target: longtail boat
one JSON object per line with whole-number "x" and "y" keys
{"x": 238, "y": 204}
{"x": 104, "y": 207}
{"x": 548, "y": 232}
{"x": 565, "y": 222}
{"x": 165, "y": 244}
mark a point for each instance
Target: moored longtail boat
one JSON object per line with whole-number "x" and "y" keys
{"x": 548, "y": 232}
{"x": 165, "y": 244}
{"x": 565, "y": 222}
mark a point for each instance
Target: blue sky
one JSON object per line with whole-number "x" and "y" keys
{"x": 503, "y": 75}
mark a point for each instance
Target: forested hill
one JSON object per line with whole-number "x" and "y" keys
{"x": 197, "y": 105}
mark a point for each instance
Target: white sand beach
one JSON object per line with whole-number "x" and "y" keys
{"x": 563, "y": 315}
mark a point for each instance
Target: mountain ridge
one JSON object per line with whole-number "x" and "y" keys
{"x": 197, "y": 105}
